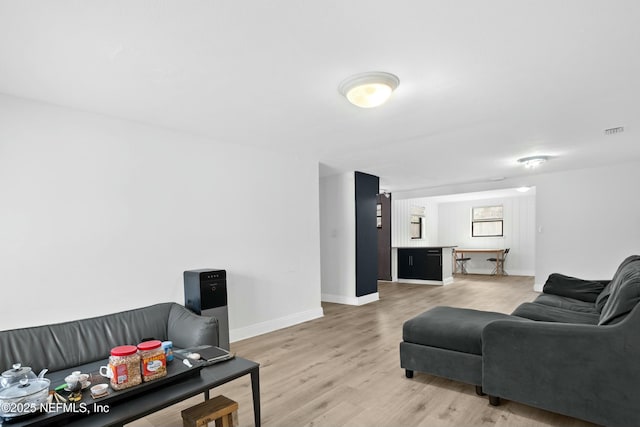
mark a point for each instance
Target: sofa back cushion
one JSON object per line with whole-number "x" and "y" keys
{"x": 602, "y": 298}
{"x": 623, "y": 292}
{"x": 69, "y": 344}
{"x": 572, "y": 287}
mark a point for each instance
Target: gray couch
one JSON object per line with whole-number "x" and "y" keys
{"x": 76, "y": 344}
{"x": 575, "y": 350}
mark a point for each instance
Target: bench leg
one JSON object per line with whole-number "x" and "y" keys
{"x": 255, "y": 391}
{"x": 408, "y": 373}
{"x": 221, "y": 410}
{"x": 479, "y": 391}
{"x": 494, "y": 400}
{"x": 229, "y": 420}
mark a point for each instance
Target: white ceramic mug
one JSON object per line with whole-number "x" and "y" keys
{"x": 107, "y": 371}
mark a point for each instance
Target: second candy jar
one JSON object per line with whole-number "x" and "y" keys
{"x": 152, "y": 359}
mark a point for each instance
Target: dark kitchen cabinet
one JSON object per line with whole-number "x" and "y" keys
{"x": 411, "y": 263}
{"x": 420, "y": 263}
{"x": 434, "y": 264}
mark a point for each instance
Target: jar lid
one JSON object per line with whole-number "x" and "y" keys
{"x": 149, "y": 345}
{"x": 124, "y": 350}
{"x": 25, "y": 388}
{"x": 18, "y": 371}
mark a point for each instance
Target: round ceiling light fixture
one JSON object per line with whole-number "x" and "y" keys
{"x": 533, "y": 161}
{"x": 368, "y": 90}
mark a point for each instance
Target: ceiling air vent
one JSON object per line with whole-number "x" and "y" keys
{"x": 613, "y": 131}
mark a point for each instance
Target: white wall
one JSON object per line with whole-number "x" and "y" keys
{"x": 99, "y": 215}
{"x": 588, "y": 221}
{"x": 518, "y": 228}
{"x": 338, "y": 238}
{"x": 400, "y": 223}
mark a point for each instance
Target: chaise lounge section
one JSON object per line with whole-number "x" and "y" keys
{"x": 574, "y": 350}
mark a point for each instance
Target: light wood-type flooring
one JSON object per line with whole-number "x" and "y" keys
{"x": 344, "y": 369}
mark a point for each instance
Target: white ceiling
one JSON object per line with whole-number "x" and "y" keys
{"x": 482, "y": 83}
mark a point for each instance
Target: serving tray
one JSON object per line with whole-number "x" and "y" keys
{"x": 176, "y": 371}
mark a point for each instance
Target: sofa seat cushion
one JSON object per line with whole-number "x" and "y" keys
{"x": 567, "y": 303}
{"x": 547, "y": 313}
{"x": 450, "y": 328}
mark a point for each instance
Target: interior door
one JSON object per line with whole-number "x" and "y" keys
{"x": 384, "y": 237}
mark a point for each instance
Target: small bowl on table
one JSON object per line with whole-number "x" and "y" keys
{"x": 99, "y": 390}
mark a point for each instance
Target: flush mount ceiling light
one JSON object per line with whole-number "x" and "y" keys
{"x": 368, "y": 90}
{"x": 523, "y": 189}
{"x": 533, "y": 161}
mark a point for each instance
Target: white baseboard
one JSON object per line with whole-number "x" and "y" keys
{"x": 445, "y": 281}
{"x": 274, "y": 324}
{"x": 366, "y": 299}
{"x": 342, "y": 299}
{"x": 538, "y": 287}
{"x": 424, "y": 282}
{"x": 509, "y": 272}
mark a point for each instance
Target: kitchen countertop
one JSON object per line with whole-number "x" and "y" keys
{"x": 423, "y": 247}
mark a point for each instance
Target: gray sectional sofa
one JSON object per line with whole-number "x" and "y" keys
{"x": 574, "y": 350}
{"x": 76, "y": 344}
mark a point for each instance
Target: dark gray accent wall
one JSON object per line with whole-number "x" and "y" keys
{"x": 366, "y": 192}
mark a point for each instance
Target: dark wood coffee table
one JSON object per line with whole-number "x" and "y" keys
{"x": 143, "y": 404}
